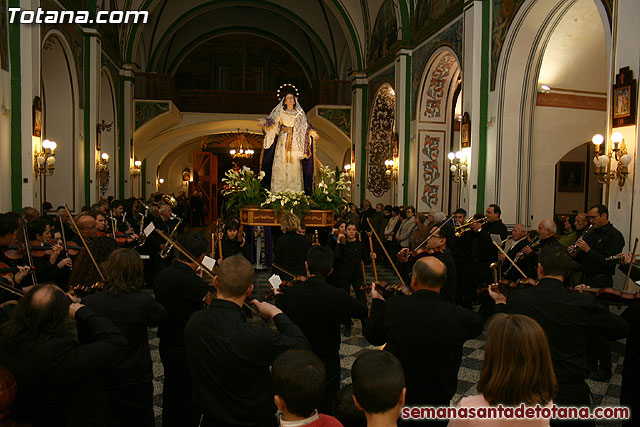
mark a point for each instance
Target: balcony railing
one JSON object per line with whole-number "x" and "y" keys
{"x": 162, "y": 86}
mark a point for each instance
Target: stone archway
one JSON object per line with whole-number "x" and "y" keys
{"x": 435, "y": 132}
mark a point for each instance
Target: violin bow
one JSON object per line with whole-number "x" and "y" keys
{"x": 386, "y": 253}
{"x": 364, "y": 273}
{"x": 432, "y": 233}
{"x": 25, "y": 232}
{"x": 373, "y": 261}
{"x": 633, "y": 259}
{"x": 84, "y": 243}
{"x": 64, "y": 238}
{"x": 284, "y": 271}
{"x": 11, "y": 289}
{"x": 524, "y": 276}
{"x": 193, "y": 259}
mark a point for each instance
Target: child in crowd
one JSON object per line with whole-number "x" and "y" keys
{"x": 298, "y": 387}
{"x": 232, "y": 241}
{"x": 378, "y": 387}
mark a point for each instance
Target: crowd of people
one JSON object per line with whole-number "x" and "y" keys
{"x": 75, "y": 343}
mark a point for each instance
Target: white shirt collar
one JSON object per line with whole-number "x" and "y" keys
{"x": 306, "y": 421}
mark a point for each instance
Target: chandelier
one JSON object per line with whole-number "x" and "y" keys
{"x": 240, "y": 148}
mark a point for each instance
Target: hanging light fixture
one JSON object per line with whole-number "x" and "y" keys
{"x": 240, "y": 148}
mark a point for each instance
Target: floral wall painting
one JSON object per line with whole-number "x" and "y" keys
{"x": 380, "y": 141}
{"x": 429, "y": 169}
{"x": 385, "y": 33}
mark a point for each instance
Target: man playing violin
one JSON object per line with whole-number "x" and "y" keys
{"x": 180, "y": 289}
{"x": 116, "y": 219}
{"x": 49, "y": 265}
{"x": 568, "y": 319}
{"x": 87, "y": 226}
{"x": 8, "y": 232}
{"x": 318, "y": 308}
{"x": 426, "y": 333}
{"x": 101, "y": 222}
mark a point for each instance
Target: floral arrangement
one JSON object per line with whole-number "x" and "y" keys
{"x": 243, "y": 187}
{"x": 328, "y": 192}
{"x": 288, "y": 201}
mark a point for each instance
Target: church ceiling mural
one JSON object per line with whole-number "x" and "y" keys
{"x": 430, "y": 13}
{"x": 385, "y": 33}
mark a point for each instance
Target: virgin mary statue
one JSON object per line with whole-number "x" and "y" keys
{"x": 289, "y": 148}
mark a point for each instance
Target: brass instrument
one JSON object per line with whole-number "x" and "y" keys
{"x": 466, "y": 226}
{"x": 169, "y": 247}
{"x": 143, "y": 217}
{"x": 168, "y": 199}
{"x": 574, "y": 248}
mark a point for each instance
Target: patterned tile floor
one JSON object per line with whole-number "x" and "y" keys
{"x": 604, "y": 394}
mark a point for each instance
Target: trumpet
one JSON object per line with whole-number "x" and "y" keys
{"x": 466, "y": 226}
{"x": 169, "y": 247}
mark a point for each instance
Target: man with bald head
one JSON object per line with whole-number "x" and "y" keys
{"x": 55, "y": 375}
{"x": 425, "y": 332}
{"x": 547, "y": 236}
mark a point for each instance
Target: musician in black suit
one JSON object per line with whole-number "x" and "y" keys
{"x": 180, "y": 290}
{"x": 568, "y": 319}
{"x": 425, "y": 332}
{"x": 317, "y": 309}
{"x": 485, "y": 252}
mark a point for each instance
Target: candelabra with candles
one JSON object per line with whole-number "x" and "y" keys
{"x": 602, "y": 161}
{"x": 44, "y": 160}
{"x": 136, "y": 169}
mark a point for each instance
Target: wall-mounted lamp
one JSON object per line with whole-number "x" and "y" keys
{"x": 102, "y": 172}
{"x": 459, "y": 165}
{"x": 544, "y": 88}
{"x": 44, "y": 160}
{"x": 602, "y": 161}
{"x": 392, "y": 169}
{"x": 161, "y": 181}
{"x": 136, "y": 168}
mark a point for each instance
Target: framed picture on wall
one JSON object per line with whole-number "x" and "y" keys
{"x": 37, "y": 117}
{"x": 623, "y": 110}
{"x": 465, "y": 131}
{"x": 571, "y": 177}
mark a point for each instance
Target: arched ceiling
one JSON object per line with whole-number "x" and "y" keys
{"x": 576, "y": 55}
{"x": 330, "y": 35}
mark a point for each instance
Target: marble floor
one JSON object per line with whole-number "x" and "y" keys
{"x": 604, "y": 394}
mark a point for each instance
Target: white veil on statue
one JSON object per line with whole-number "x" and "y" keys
{"x": 300, "y": 129}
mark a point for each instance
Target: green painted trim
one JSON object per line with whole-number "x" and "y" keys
{"x": 247, "y": 30}
{"x": 134, "y": 31}
{"x": 405, "y": 16}
{"x": 407, "y": 132}
{"x": 365, "y": 134}
{"x": 484, "y": 105}
{"x": 121, "y": 169}
{"x": 177, "y": 23}
{"x": 352, "y": 31}
{"x": 16, "y": 112}
{"x": 87, "y": 120}
{"x": 143, "y": 179}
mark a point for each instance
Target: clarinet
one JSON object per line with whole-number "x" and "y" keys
{"x": 573, "y": 249}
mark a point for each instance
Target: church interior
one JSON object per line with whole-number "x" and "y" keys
{"x": 527, "y": 109}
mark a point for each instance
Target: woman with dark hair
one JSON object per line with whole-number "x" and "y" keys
{"x": 129, "y": 388}
{"x": 232, "y": 241}
{"x": 517, "y": 369}
{"x": 84, "y": 273}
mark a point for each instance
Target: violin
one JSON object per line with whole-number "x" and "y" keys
{"x": 284, "y": 286}
{"x": 413, "y": 256}
{"x": 388, "y": 290}
{"x": 611, "y": 295}
{"x": 119, "y": 237}
{"x": 506, "y": 286}
{"x": 83, "y": 290}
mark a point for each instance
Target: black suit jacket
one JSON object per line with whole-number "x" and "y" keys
{"x": 57, "y": 377}
{"x": 568, "y": 319}
{"x": 317, "y": 307}
{"x": 229, "y": 362}
{"x": 291, "y": 253}
{"x": 426, "y": 333}
{"x": 486, "y": 252}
